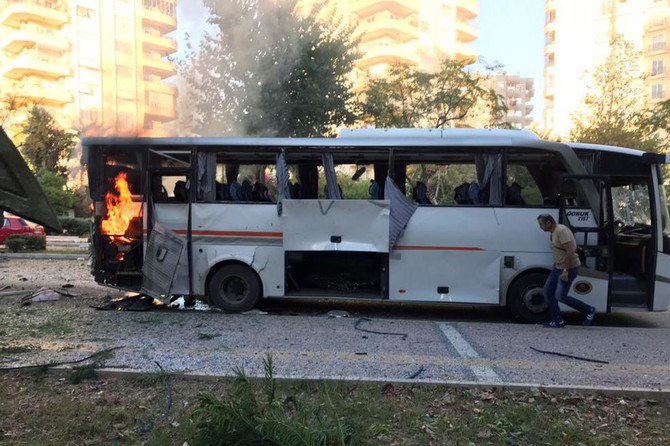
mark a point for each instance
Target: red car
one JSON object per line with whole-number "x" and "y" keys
{"x": 16, "y": 225}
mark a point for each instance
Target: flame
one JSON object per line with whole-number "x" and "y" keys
{"x": 120, "y": 210}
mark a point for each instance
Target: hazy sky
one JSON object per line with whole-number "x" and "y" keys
{"x": 510, "y": 32}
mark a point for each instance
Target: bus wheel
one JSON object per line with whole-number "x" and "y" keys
{"x": 526, "y": 300}
{"x": 234, "y": 288}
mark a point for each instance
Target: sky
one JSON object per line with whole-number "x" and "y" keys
{"x": 512, "y": 32}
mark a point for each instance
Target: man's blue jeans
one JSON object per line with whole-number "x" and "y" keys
{"x": 555, "y": 290}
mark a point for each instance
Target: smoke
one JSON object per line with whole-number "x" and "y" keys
{"x": 248, "y": 45}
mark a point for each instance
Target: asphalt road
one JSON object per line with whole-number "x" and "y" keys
{"x": 373, "y": 342}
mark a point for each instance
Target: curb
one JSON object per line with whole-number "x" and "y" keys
{"x": 632, "y": 392}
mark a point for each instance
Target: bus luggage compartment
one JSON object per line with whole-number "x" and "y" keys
{"x": 336, "y": 247}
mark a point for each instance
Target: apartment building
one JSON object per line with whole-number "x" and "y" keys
{"x": 97, "y": 65}
{"x": 577, "y": 39}
{"x": 417, "y": 32}
{"x": 517, "y": 93}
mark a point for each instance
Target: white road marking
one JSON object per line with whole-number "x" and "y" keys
{"x": 463, "y": 348}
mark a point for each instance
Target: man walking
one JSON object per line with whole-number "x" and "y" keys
{"x": 564, "y": 272}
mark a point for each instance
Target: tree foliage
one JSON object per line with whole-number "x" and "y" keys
{"x": 54, "y": 186}
{"x": 268, "y": 71}
{"x": 46, "y": 147}
{"x": 452, "y": 96}
{"x": 614, "y": 107}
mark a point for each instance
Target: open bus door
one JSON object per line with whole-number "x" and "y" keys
{"x": 589, "y": 219}
{"x": 606, "y": 247}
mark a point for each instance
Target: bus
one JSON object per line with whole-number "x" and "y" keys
{"x": 443, "y": 216}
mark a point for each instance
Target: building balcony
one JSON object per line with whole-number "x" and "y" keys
{"x": 160, "y": 14}
{"x": 160, "y": 87}
{"x": 159, "y": 111}
{"x": 467, "y": 9}
{"x": 34, "y": 63}
{"x": 367, "y": 8}
{"x": 466, "y": 32}
{"x": 159, "y": 43}
{"x": 398, "y": 30}
{"x": 19, "y": 40}
{"x": 465, "y": 54}
{"x": 51, "y": 94}
{"x": 51, "y": 13}
{"x": 387, "y": 54}
{"x": 156, "y": 65}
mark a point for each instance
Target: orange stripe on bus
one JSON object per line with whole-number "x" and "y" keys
{"x": 436, "y": 248}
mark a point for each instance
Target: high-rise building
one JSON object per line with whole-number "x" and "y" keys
{"x": 577, "y": 39}
{"x": 96, "y": 65}
{"x": 517, "y": 93}
{"x": 418, "y": 32}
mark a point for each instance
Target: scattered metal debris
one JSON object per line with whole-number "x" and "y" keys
{"x": 133, "y": 302}
{"x": 417, "y": 373}
{"x": 338, "y": 313}
{"x": 565, "y": 355}
{"x": 364, "y": 319}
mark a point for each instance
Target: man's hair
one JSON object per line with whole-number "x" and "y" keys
{"x": 546, "y": 218}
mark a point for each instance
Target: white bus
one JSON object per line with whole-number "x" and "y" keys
{"x": 407, "y": 215}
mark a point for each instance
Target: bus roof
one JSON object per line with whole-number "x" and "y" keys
{"x": 375, "y": 137}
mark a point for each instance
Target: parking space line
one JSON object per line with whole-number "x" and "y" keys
{"x": 465, "y": 350}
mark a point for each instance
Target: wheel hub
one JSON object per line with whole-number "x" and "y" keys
{"x": 534, "y": 300}
{"x": 234, "y": 289}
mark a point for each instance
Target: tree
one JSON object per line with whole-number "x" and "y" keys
{"x": 46, "y": 147}
{"x": 268, "y": 71}
{"x": 59, "y": 196}
{"x": 614, "y": 107}
{"x": 408, "y": 97}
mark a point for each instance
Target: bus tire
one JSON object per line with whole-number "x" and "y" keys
{"x": 234, "y": 288}
{"x": 525, "y": 299}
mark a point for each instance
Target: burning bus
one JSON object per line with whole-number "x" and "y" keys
{"x": 236, "y": 220}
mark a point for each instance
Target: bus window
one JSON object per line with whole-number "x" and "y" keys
{"x": 443, "y": 184}
{"x": 169, "y": 188}
{"x": 538, "y": 180}
{"x": 631, "y": 204}
{"x": 248, "y": 183}
{"x": 521, "y": 190}
{"x": 354, "y": 181}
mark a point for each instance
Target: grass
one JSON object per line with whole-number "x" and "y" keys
{"x": 45, "y": 409}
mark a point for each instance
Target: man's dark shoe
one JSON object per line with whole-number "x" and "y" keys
{"x": 590, "y": 316}
{"x": 555, "y": 324}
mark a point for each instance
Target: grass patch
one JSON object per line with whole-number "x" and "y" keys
{"x": 16, "y": 349}
{"x": 54, "y": 327}
{"x": 45, "y": 409}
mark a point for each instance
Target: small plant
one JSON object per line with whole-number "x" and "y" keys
{"x": 267, "y": 419}
{"x": 25, "y": 243}
{"x": 79, "y": 374}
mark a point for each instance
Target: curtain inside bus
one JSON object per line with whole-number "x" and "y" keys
{"x": 401, "y": 210}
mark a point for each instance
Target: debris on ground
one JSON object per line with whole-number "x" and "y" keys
{"x": 132, "y": 302}
{"x": 338, "y": 314}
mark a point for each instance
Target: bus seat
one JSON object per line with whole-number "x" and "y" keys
{"x": 461, "y": 195}
{"x": 180, "y": 191}
{"x": 473, "y": 193}
{"x": 260, "y": 193}
{"x": 513, "y": 195}
{"x": 375, "y": 191}
{"x": 245, "y": 193}
{"x": 420, "y": 193}
{"x": 295, "y": 191}
{"x": 234, "y": 190}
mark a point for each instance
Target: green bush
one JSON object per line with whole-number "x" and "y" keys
{"x": 24, "y": 243}
{"x": 80, "y": 227}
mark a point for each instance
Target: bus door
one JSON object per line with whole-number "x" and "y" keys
{"x": 336, "y": 248}
{"x": 586, "y": 208}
